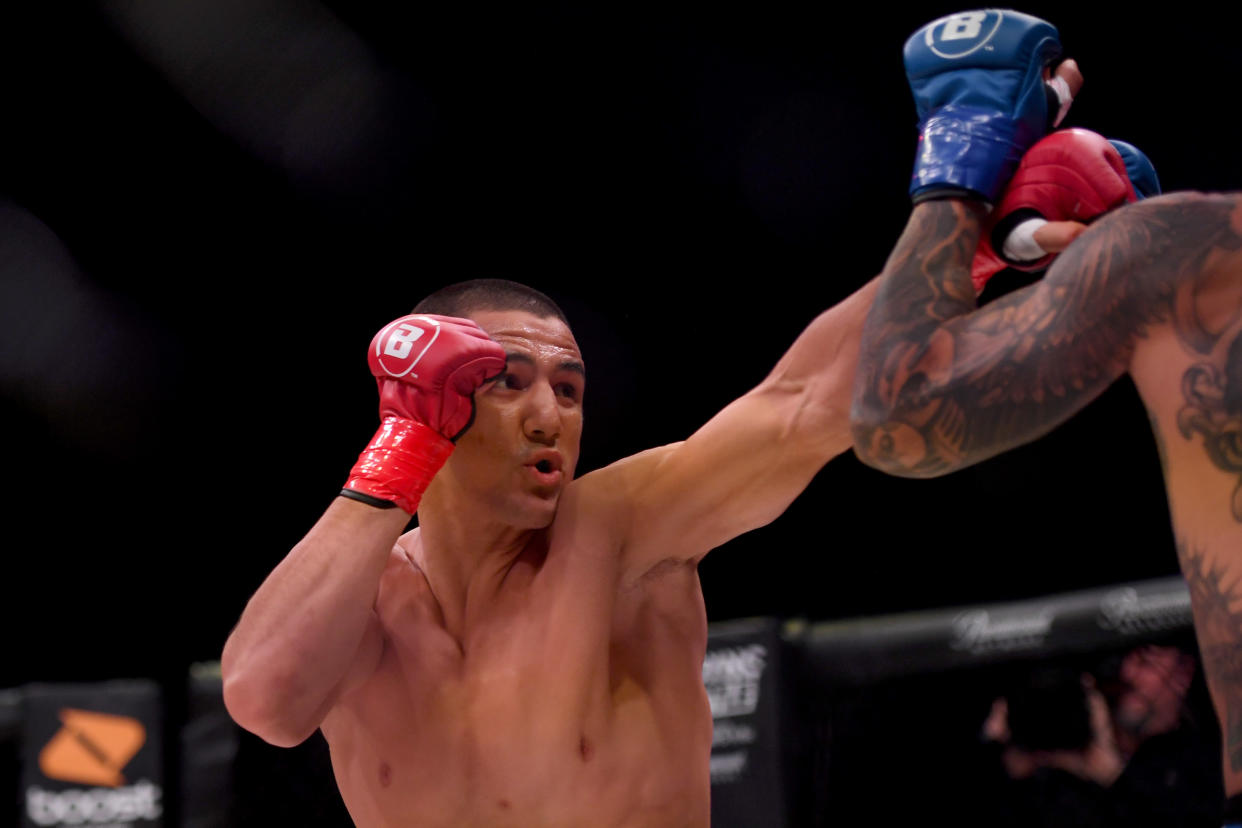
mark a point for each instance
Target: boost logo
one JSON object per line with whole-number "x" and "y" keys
{"x": 91, "y": 748}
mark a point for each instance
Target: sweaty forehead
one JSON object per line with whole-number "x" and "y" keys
{"x": 526, "y": 332}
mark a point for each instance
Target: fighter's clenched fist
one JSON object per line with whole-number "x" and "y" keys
{"x": 1064, "y": 182}
{"x": 427, "y": 368}
{"x": 979, "y": 87}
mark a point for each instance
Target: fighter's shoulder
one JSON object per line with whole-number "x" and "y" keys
{"x": 614, "y": 487}
{"x": 1168, "y": 235}
{"x": 1176, "y": 203}
{"x": 622, "y": 475}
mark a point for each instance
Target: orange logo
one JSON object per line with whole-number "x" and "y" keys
{"x": 91, "y": 748}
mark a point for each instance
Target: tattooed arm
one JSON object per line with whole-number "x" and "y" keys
{"x": 941, "y": 385}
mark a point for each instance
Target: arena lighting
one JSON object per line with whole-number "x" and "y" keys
{"x": 52, "y": 316}
{"x": 284, "y": 79}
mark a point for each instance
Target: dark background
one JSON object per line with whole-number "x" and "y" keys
{"x": 208, "y": 208}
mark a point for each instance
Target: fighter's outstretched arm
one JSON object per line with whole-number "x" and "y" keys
{"x": 747, "y": 464}
{"x": 941, "y": 385}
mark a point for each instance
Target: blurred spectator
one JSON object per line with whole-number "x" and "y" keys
{"x": 1057, "y": 751}
{"x": 1134, "y": 745}
{"x": 1168, "y": 738}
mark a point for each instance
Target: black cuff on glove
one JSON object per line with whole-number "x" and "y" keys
{"x": 946, "y": 192}
{"x": 367, "y": 499}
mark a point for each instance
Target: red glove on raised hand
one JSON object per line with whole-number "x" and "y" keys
{"x": 427, "y": 368}
{"x": 1070, "y": 175}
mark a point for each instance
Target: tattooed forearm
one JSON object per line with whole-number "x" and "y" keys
{"x": 927, "y": 282}
{"x": 931, "y": 268}
{"x": 940, "y": 387}
{"x": 1218, "y": 626}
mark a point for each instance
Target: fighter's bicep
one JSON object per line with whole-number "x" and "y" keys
{"x": 1020, "y": 366}
{"x": 747, "y": 464}
{"x": 1076, "y": 330}
{"x": 737, "y": 473}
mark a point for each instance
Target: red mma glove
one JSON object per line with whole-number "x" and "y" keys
{"x": 427, "y": 368}
{"x": 1070, "y": 175}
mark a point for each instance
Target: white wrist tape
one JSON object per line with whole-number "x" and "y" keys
{"x": 1064, "y": 95}
{"x": 1020, "y": 244}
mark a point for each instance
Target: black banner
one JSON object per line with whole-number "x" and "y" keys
{"x": 209, "y": 744}
{"x": 745, "y": 681}
{"x": 92, "y": 755}
{"x": 10, "y": 754}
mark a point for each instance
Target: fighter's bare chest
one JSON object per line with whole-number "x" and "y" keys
{"x": 528, "y": 648}
{"x": 591, "y": 697}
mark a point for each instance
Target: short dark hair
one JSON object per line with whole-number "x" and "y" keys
{"x": 463, "y": 298}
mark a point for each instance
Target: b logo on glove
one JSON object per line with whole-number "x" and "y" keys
{"x": 963, "y": 31}
{"x": 395, "y": 344}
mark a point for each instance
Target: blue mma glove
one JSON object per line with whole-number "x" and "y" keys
{"x": 1139, "y": 168}
{"x": 978, "y": 85}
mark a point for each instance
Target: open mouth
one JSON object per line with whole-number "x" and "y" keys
{"x": 546, "y": 465}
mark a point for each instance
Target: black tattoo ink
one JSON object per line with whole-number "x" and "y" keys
{"x": 940, "y": 388}
{"x": 1211, "y": 411}
{"x": 1219, "y": 630}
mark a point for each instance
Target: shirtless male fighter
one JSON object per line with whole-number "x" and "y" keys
{"x": 1153, "y": 290}
{"x": 531, "y": 655}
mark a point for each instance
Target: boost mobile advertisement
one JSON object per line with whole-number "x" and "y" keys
{"x": 91, "y": 756}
